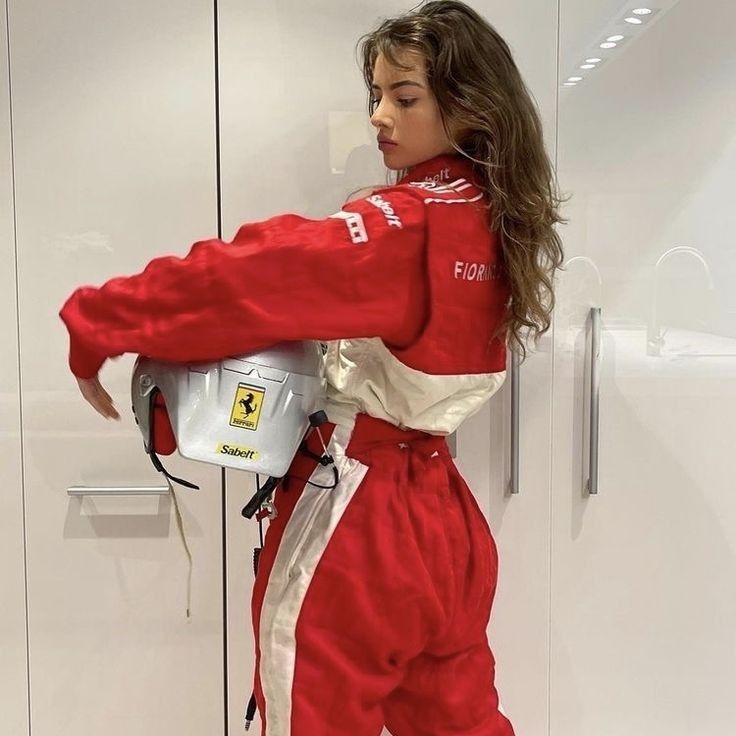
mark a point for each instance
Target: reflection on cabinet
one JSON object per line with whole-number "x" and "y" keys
{"x": 114, "y": 165}
{"x": 644, "y": 573}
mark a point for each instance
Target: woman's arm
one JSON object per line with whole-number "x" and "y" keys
{"x": 358, "y": 273}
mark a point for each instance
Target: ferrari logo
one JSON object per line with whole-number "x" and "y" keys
{"x": 247, "y": 406}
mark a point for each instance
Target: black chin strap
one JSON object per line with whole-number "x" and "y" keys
{"x": 161, "y": 469}
{"x": 152, "y": 452}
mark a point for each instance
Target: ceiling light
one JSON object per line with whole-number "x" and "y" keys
{"x": 641, "y": 11}
{"x": 608, "y": 45}
{"x": 634, "y": 21}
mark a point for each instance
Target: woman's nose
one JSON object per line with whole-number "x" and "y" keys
{"x": 380, "y": 121}
{"x": 382, "y": 126}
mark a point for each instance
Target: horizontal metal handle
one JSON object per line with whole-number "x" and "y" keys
{"x": 117, "y": 490}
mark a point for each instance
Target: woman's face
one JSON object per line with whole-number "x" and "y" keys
{"x": 408, "y": 114}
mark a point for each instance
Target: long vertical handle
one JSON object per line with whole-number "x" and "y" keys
{"x": 514, "y": 422}
{"x": 595, "y": 389}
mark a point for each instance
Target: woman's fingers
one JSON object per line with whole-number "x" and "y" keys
{"x": 97, "y": 397}
{"x": 105, "y": 404}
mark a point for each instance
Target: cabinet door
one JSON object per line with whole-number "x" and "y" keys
{"x": 518, "y": 512}
{"x": 296, "y": 137}
{"x": 13, "y": 642}
{"x": 114, "y": 149}
{"x": 644, "y": 570}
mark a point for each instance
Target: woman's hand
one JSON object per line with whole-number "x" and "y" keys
{"x": 92, "y": 390}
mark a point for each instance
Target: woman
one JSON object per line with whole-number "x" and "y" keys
{"x": 372, "y": 597}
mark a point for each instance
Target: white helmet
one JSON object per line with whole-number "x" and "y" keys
{"x": 249, "y": 412}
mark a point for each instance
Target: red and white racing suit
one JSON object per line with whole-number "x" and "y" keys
{"x": 372, "y": 599}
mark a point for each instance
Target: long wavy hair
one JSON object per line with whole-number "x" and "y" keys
{"x": 477, "y": 84}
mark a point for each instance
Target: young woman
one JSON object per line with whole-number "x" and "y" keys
{"x": 372, "y": 597}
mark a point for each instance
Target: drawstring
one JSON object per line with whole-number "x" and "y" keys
{"x": 186, "y": 547}
{"x": 158, "y": 465}
{"x": 179, "y": 523}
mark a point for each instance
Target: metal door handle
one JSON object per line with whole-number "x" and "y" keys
{"x": 595, "y": 389}
{"x": 514, "y": 422}
{"x": 117, "y": 490}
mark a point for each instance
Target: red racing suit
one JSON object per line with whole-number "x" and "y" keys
{"x": 372, "y": 599}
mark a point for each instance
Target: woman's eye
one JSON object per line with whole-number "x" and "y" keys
{"x": 405, "y": 102}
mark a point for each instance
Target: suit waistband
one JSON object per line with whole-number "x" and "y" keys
{"x": 367, "y": 431}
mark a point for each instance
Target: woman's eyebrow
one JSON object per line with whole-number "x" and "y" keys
{"x": 399, "y": 84}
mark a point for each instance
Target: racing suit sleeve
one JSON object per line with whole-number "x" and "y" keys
{"x": 360, "y": 272}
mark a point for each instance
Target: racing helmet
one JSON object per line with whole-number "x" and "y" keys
{"x": 248, "y": 412}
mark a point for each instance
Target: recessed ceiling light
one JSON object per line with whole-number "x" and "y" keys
{"x": 608, "y": 45}
{"x": 571, "y": 84}
{"x": 594, "y": 60}
{"x": 587, "y": 66}
{"x": 641, "y": 11}
{"x": 574, "y": 79}
{"x": 634, "y": 21}
{"x": 615, "y": 38}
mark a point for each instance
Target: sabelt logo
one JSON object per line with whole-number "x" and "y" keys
{"x": 246, "y": 453}
{"x": 392, "y": 219}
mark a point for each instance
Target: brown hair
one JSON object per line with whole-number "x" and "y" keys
{"x": 477, "y": 84}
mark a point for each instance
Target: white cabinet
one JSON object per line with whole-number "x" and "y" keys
{"x": 296, "y": 137}
{"x": 613, "y": 612}
{"x": 114, "y": 151}
{"x": 519, "y": 626}
{"x": 644, "y": 572}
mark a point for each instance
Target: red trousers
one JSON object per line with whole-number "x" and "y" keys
{"x": 372, "y": 599}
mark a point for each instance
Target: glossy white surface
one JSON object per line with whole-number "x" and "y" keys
{"x": 296, "y": 138}
{"x": 644, "y": 573}
{"x": 519, "y": 630}
{"x": 113, "y": 119}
